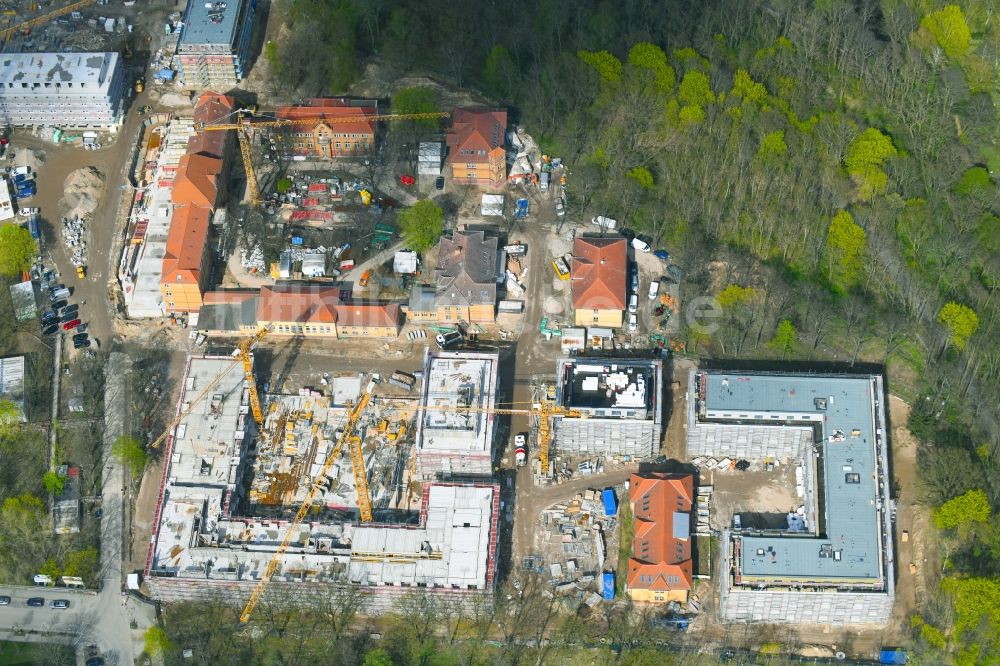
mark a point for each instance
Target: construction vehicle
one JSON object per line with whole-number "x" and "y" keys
{"x": 246, "y": 122}
{"x": 25, "y": 27}
{"x": 239, "y": 352}
{"x": 139, "y": 85}
{"x": 346, "y": 438}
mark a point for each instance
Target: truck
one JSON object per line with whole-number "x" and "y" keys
{"x": 34, "y": 228}
{"x": 403, "y": 380}
{"x": 521, "y": 448}
{"x": 543, "y": 182}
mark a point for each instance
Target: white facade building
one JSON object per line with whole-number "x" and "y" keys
{"x": 62, "y": 89}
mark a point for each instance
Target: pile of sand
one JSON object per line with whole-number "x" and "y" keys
{"x": 553, "y": 305}
{"x": 174, "y": 101}
{"x": 82, "y": 192}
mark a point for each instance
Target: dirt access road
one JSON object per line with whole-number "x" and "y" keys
{"x": 59, "y": 162}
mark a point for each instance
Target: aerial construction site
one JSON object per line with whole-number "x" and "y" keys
{"x": 229, "y": 492}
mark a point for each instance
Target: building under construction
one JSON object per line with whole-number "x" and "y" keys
{"x": 617, "y": 406}
{"x": 456, "y": 425}
{"x": 831, "y": 561}
{"x": 217, "y": 525}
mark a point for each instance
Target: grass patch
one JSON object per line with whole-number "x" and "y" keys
{"x": 626, "y": 525}
{"x": 25, "y": 654}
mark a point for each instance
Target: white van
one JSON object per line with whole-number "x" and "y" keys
{"x": 633, "y": 303}
{"x": 606, "y": 222}
{"x": 640, "y": 245}
{"x": 42, "y": 579}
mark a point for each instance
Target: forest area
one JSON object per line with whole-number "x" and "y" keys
{"x": 828, "y": 171}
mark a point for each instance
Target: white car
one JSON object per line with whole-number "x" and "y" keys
{"x": 632, "y": 323}
{"x": 560, "y": 208}
{"x": 606, "y": 222}
{"x": 519, "y": 440}
{"x": 633, "y": 303}
{"x": 28, "y": 212}
{"x": 654, "y": 289}
{"x": 640, "y": 245}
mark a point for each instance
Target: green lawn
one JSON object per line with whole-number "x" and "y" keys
{"x": 30, "y": 654}
{"x": 626, "y": 531}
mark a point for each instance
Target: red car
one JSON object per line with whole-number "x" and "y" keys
{"x": 70, "y": 325}
{"x": 407, "y": 180}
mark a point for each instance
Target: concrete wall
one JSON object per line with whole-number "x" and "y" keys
{"x": 749, "y": 442}
{"x": 813, "y": 607}
{"x": 433, "y": 465}
{"x": 607, "y": 436}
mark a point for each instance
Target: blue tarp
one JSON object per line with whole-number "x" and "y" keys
{"x": 522, "y": 208}
{"x": 608, "y": 585}
{"x": 610, "y": 501}
{"x": 892, "y": 657}
{"x": 166, "y": 74}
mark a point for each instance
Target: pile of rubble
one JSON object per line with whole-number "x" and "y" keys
{"x": 74, "y": 230}
{"x": 82, "y": 192}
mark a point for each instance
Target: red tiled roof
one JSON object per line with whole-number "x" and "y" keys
{"x": 598, "y": 273}
{"x": 335, "y": 108}
{"x": 197, "y": 180}
{"x": 475, "y": 132}
{"x": 661, "y": 559}
{"x": 211, "y": 108}
{"x": 381, "y": 315}
{"x": 306, "y": 304}
{"x": 185, "y": 244}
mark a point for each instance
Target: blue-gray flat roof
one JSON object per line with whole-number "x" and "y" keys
{"x": 849, "y": 549}
{"x": 200, "y": 29}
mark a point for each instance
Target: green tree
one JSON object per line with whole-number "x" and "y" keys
{"x": 961, "y": 322}
{"x": 378, "y": 657}
{"x": 10, "y": 419}
{"x": 54, "y": 483}
{"x": 845, "y": 251}
{"x": 734, "y": 294}
{"x": 608, "y": 67}
{"x": 772, "y": 146}
{"x": 501, "y": 70}
{"x": 950, "y": 30}
{"x": 972, "y": 507}
{"x": 17, "y": 250}
{"x": 864, "y": 159}
{"x": 50, "y": 568}
{"x": 785, "y": 337}
{"x": 155, "y": 641}
{"x": 748, "y": 89}
{"x": 130, "y": 453}
{"x": 695, "y": 90}
{"x": 642, "y": 176}
{"x": 422, "y": 225}
{"x": 417, "y": 99}
{"x": 82, "y": 563}
{"x": 651, "y": 58}
{"x": 283, "y": 186}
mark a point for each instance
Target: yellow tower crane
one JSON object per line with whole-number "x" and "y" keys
{"x": 244, "y": 352}
{"x": 353, "y": 418}
{"x": 245, "y": 122}
{"x": 249, "y": 344}
{"x": 26, "y": 26}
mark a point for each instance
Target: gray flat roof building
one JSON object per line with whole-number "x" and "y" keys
{"x": 215, "y": 42}
{"x": 846, "y": 544}
{"x": 61, "y": 89}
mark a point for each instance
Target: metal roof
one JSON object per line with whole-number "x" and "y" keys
{"x": 65, "y": 74}
{"x": 211, "y": 22}
{"x": 844, "y": 408}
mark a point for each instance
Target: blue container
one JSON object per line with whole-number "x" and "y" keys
{"x": 34, "y": 229}
{"x": 892, "y": 656}
{"x": 610, "y": 501}
{"x": 608, "y": 585}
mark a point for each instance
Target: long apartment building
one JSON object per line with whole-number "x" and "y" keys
{"x": 614, "y": 406}
{"x": 205, "y": 546}
{"x": 72, "y": 90}
{"x": 214, "y": 45}
{"x": 194, "y": 197}
{"x": 832, "y": 562}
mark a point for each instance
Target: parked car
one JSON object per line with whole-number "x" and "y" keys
{"x": 41, "y": 579}
{"x": 72, "y": 307}
{"x": 632, "y": 323}
{"x": 633, "y": 272}
{"x": 37, "y": 602}
{"x": 51, "y": 330}
{"x": 4, "y": 600}
{"x": 49, "y": 315}
{"x": 28, "y": 212}
{"x": 59, "y": 305}
{"x": 70, "y": 325}
{"x": 633, "y": 303}
{"x": 605, "y": 222}
{"x": 82, "y": 337}
{"x": 560, "y": 208}
{"x": 59, "y": 603}
{"x": 439, "y": 183}
{"x": 654, "y": 289}
{"x": 364, "y": 278}
{"x": 80, "y": 344}
{"x": 662, "y": 255}
{"x": 68, "y": 316}
{"x": 640, "y": 244}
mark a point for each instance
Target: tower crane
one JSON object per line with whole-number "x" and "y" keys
{"x": 245, "y": 121}
{"x": 243, "y": 352}
{"x": 353, "y": 418}
{"x": 7, "y": 33}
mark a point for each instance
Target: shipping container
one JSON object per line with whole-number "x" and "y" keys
{"x": 402, "y": 379}
{"x": 610, "y": 501}
{"x": 608, "y": 585}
